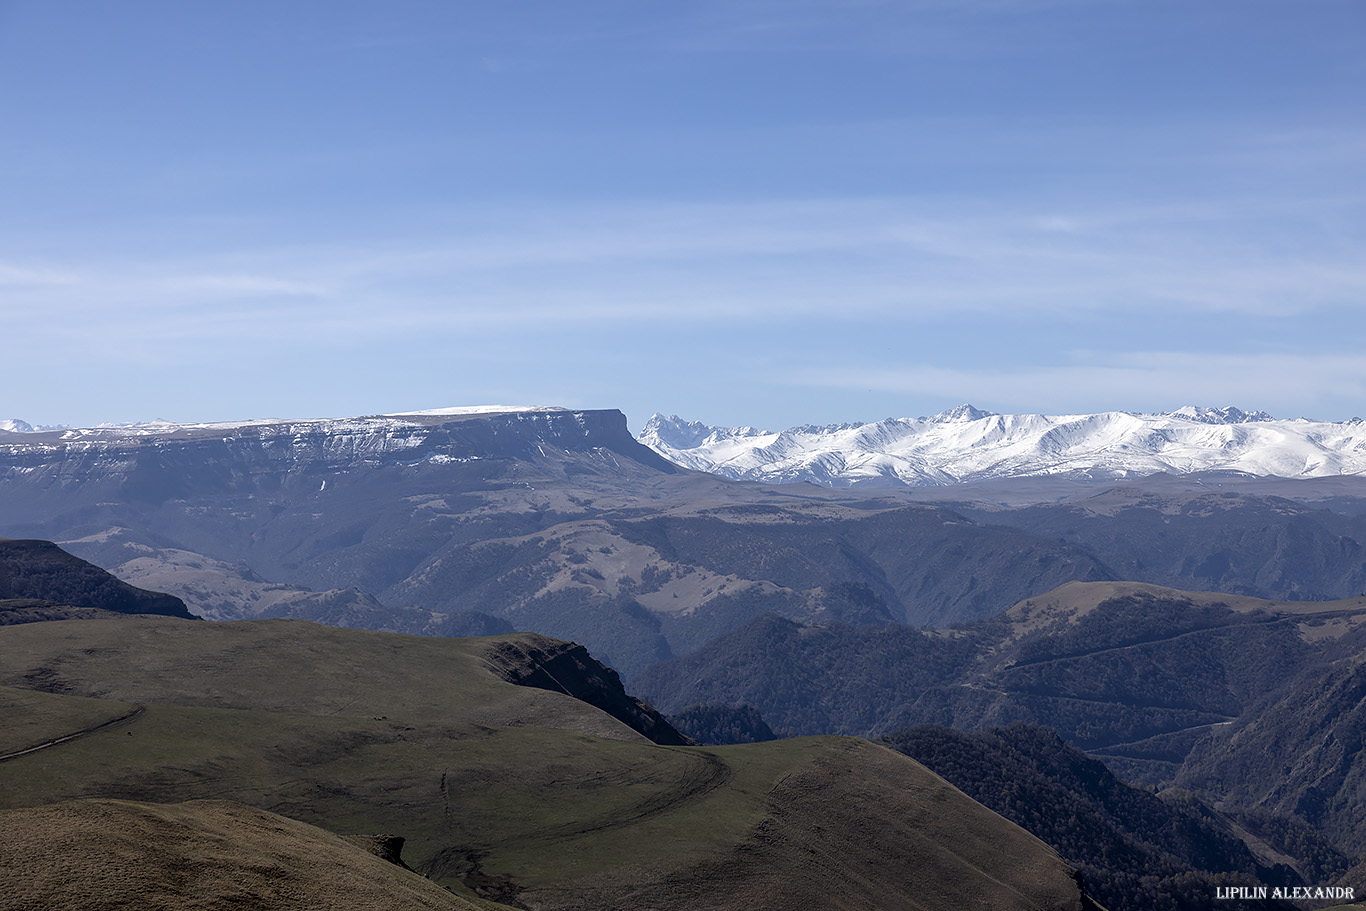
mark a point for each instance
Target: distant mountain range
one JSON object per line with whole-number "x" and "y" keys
{"x": 963, "y": 444}
{"x": 476, "y": 521}
{"x": 966, "y": 444}
{"x": 812, "y": 605}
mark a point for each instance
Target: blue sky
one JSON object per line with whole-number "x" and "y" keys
{"x": 742, "y": 212}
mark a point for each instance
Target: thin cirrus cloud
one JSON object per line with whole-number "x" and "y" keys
{"x": 850, "y": 260}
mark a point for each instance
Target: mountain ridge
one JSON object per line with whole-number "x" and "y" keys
{"x": 965, "y": 444}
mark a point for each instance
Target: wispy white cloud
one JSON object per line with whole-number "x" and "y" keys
{"x": 13, "y": 276}
{"x": 210, "y": 286}
{"x": 860, "y": 261}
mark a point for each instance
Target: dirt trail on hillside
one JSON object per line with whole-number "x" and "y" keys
{"x": 127, "y": 716}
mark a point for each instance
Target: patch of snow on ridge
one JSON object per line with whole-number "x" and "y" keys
{"x": 159, "y": 426}
{"x": 967, "y": 444}
{"x": 475, "y": 409}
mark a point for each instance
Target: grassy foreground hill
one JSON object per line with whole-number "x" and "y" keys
{"x": 90, "y": 855}
{"x": 507, "y": 795}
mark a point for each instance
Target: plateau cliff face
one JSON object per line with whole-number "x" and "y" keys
{"x": 155, "y": 463}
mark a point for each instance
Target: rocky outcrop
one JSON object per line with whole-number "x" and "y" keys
{"x": 386, "y": 847}
{"x": 566, "y": 667}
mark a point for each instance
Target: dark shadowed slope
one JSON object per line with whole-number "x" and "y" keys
{"x": 1137, "y": 851}
{"x": 40, "y": 571}
{"x": 1247, "y": 540}
{"x": 1135, "y": 672}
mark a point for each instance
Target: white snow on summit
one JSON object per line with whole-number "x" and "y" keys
{"x": 476, "y": 409}
{"x": 14, "y": 425}
{"x": 159, "y": 426}
{"x": 966, "y": 444}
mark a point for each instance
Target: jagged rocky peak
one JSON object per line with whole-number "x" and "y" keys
{"x": 15, "y": 425}
{"x": 960, "y": 413}
{"x": 675, "y": 432}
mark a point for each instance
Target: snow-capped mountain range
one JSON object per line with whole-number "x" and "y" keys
{"x": 960, "y": 445}
{"x": 966, "y": 444}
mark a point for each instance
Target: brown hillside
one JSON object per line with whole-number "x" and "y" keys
{"x": 93, "y": 855}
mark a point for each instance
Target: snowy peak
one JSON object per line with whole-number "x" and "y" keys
{"x": 718, "y": 444}
{"x": 1226, "y": 415}
{"x": 675, "y": 433}
{"x": 962, "y": 412}
{"x": 968, "y": 444}
{"x": 14, "y": 425}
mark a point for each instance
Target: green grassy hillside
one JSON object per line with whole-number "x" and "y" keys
{"x": 517, "y": 795}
